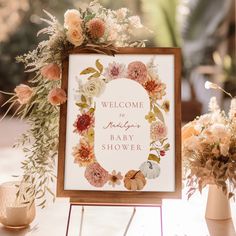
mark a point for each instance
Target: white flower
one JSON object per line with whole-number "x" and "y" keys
{"x": 217, "y": 117}
{"x": 192, "y": 143}
{"x": 150, "y": 64}
{"x": 113, "y": 29}
{"x": 94, "y": 6}
{"x": 232, "y": 110}
{"x": 219, "y": 130}
{"x": 221, "y": 134}
{"x": 152, "y": 74}
{"x": 72, "y": 19}
{"x": 213, "y": 105}
{"x": 204, "y": 120}
{"x": 150, "y": 169}
{"x": 121, "y": 13}
{"x": 210, "y": 85}
{"x": 93, "y": 88}
{"x": 224, "y": 148}
{"x": 77, "y": 95}
{"x": 135, "y": 22}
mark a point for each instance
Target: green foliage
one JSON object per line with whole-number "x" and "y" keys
{"x": 160, "y": 16}
{"x": 40, "y": 142}
{"x": 39, "y": 166}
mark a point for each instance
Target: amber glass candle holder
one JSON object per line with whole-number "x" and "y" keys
{"x": 13, "y": 212}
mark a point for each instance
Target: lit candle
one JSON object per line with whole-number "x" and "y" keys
{"x": 16, "y": 215}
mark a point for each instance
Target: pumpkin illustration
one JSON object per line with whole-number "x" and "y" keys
{"x": 134, "y": 180}
{"x": 150, "y": 169}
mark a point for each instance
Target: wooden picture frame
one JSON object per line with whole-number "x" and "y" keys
{"x": 129, "y": 198}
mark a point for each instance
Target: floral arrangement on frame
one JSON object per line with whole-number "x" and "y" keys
{"x": 209, "y": 148}
{"x": 93, "y": 28}
{"x": 92, "y": 87}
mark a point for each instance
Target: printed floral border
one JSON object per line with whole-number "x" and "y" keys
{"x": 93, "y": 86}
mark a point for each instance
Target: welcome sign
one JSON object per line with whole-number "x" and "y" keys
{"x": 120, "y": 128}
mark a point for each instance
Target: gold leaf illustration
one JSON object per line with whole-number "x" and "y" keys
{"x": 83, "y": 98}
{"x": 153, "y": 157}
{"x": 88, "y": 70}
{"x": 158, "y": 113}
{"x": 99, "y": 66}
{"x": 95, "y": 75}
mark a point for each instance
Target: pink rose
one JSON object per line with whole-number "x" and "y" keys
{"x": 24, "y": 93}
{"x": 96, "y": 175}
{"x": 158, "y": 130}
{"x": 96, "y": 28}
{"x": 51, "y": 71}
{"x": 57, "y": 96}
{"x": 137, "y": 71}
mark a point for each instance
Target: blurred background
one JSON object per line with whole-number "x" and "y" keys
{"x": 205, "y": 30}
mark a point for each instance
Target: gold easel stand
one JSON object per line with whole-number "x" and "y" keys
{"x": 75, "y": 202}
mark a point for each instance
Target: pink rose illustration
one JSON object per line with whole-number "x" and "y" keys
{"x": 158, "y": 130}
{"x": 96, "y": 175}
{"x": 137, "y": 71}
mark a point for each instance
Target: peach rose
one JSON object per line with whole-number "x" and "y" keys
{"x": 72, "y": 19}
{"x": 57, "y": 96}
{"x": 51, "y": 71}
{"x": 188, "y": 131}
{"x": 24, "y": 93}
{"x": 75, "y": 36}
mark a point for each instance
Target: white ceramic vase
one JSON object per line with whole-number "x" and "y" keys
{"x": 218, "y": 205}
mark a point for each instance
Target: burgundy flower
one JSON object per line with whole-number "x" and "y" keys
{"x": 96, "y": 175}
{"x": 137, "y": 71}
{"x": 83, "y": 122}
{"x": 162, "y": 153}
